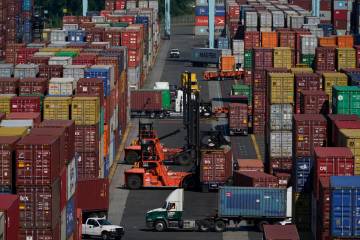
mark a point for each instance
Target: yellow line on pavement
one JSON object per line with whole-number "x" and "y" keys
{"x": 256, "y": 146}
{"x": 121, "y": 148}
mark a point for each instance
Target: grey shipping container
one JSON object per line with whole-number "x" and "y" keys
{"x": 297, "y": 21}
{"x": 281, "y": 144}
{"x": 308, "y": 44}
{"x": 205, "y": 55}
{"x": 254, "y": 202}
{"x": 251, "y": 19}
{"x": 6, "y": 70}
{"x": 26, "y": 70}
{"x": 281, "y": 116}
{"x": 278, "y": 20}
{"x": 265, "y": 19}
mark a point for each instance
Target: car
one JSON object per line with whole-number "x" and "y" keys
{"x": 175, "y": 53}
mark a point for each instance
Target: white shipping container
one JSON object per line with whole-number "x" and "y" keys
{"x": 26, "y": 70}
{"x": 265, "y": 19}
{"x": 17, "y": 123}
{"x": 44, "y": 54}
{"x": 69, "y": 27}
{"x": 98, "y": 19}
{"x": 278, "y": 19}
{"x": 281, "y": 144}
{"x": 133, "y": 75}
{"x": 312, "y": 20}
{"x": 154, "y": 4}
{"x": 281, "y": 116}
{"x": 325, "y": 15}
{"x": 74, "y": 71}
{"x": 296, "y": 21}
{"x": 58, "y": 36}
{"x": 308, "y": 44}
{"x": 239, "y": 58}
{"x": 143, "y": 4}
{"x": 226, "y": 52}
{"x": 62, "y": 86}
{"x": 238, "y": 46}
{"x": 36, "y": 45}
{"x": 60, "y": 61}
{"x": 130, "y": 5}
{"x": 265, "y": 29}
{"x": 71, "y": 172}
{"x": 6, "y": 70}
{"x": 251, "y": 19}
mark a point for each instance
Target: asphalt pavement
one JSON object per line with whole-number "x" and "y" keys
{"x": 128, "y": 208}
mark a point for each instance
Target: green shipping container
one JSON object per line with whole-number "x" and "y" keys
{"x": 248, "y": 59}
{"x": 308, "y": 59}
{"x": 242, "y": 90}
{"x": 346, "y": 100}
{"x": 166, "y": 99}
{"x": 66, "y": 54}
{"x": 119, "y": 24}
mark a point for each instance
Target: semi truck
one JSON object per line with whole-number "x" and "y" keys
{"x": 259, "y": 206}
{"x": 205, "y": 56}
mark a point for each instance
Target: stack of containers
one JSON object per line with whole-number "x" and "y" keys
{"x": 280, "y": 109}
{"x": 27, "y": 13}
{"x": 331, "y": 79}
{"x": 3, "y": 17}
{"x": 232, "y": 19}
{"x": 202, "y": 18}
{"x": 238, "y": 50}
{"x": 304, "y": 82}
{"x": 341, "y": 16}
{"x": 308, "y": 46}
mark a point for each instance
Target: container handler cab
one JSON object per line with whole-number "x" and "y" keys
{"x": 185, "y": 77}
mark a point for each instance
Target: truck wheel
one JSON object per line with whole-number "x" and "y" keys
{"x": 220, "y": 226}
{"x": 133, "y": 182}
{"x": 131, "y": 157}
{"x": 261, "y": 224}
{"x": 104, "y": 236}
{"x": 160, "y": 226}
{"x": 204, "y": 226}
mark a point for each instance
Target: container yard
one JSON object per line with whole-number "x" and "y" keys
{"x": 206, "y": 119}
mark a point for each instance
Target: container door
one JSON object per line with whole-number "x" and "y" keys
{"x": 2, "y": 226}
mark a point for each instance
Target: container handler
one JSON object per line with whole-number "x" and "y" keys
{"x": 185, "y": 76}
{"x": 227, "y": 70}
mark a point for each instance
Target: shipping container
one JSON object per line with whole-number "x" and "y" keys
{"x": 350, "y": 138}
{"x": 339, "y": 125}
{"x": 281, "y": 117}
{"x": 346, "y": 58}
{"x": 238, "y": 118}
{"x": 338, "y": 117}
{"x": 262, "y": 58}
{"x": 278, "y": 232}
{"x": 9, "y": 85}
{"x": 215, "y": 168}
{"x": 7, "y": 163}
{"x": 346, "y": 100}
{"x": 333, "y": 79}
{"x": 57, "y": 108}
{"x": 62, "y": 86}
{"x": 325, "y": 58}
{"x": 9, "y": 216}
{"x": 25, "y": 104}
{"x": 281, "y": 88}
{"x": 85, "y": 110}
{"x": 255, "y": 179}
{"x": 280, "y": 144}
{"x": 283, "y": 57}
{"x": 249, "y": 165}
{"x": 35, "y": 117}
{"x": 305, "y": 81}
{"x": 302, "y": 173}
{"x": 269, "y": 40}
{"x": 150, "y": 100}
{"x": 314, "y": 102}
{"x": 95, "y": 200}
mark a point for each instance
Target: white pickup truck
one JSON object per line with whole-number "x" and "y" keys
{"x": 101, "y": 228}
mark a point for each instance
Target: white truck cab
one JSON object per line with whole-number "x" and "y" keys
{"x": 101, "y": 228}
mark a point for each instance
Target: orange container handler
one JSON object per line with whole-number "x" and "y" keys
{"x": 269, "y": 39}
{"x": 327, "y": 41}
{"x": 227, "y": 63}
{"x": 346, "y": 41}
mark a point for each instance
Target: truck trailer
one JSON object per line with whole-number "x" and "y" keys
{"x": 259, "y": 206}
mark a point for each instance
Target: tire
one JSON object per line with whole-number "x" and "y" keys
{"x": 261, "y": 224}
{"x": 204, "y": 226}
{"x": 134, "y": 182}
{"x": 132, "y": 157}
{"x": 188, "y": 183}
{"x": 220, "y": 226}
{"x": 105, "y": 236}
{"x": 160, "y": 226}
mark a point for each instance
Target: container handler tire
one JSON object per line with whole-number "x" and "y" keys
{"x": 133, "y": 182}
{"x": 160, "y": 226}
{"x": 261, "y": 224}
{"x": 204, "y": 226}
{"x": 131, "y": 157}
{"x": 220, "y": 226}
{"x": 189, "y": 183}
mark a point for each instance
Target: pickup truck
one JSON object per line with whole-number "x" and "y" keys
{"x": 101, "y": 228}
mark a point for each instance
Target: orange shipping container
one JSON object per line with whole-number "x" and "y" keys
{"x": 346, "y": 41}
{"x": 327, "y": 41}
{"x": 227, "y": 63}
{"x": 269, "y": 39}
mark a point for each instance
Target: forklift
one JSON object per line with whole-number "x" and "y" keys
{"x": 151, "y": 169}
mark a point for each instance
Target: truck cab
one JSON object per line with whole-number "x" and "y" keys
{"x": 101, "y": 228}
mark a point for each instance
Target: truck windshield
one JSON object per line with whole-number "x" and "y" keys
{"x": 104, "y": 222}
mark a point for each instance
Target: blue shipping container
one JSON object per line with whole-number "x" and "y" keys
{"x": 100, "y": 73}
{"x": 303, "y": 174}
{"x": 70, "y": 217}
{"x": 27, "y": 5}
{"x": 121, "y": 55}
{"x": 345, "y": 206}
{"x": 204, "y": 11}
{"x": 354, "y": 79}
{"x": 357, "y": 39}
{"x": 327, "y": 28}
{"x": 106, "y": 167}
{"x": 252, "y": 202}
{"x": 142, "y": 19}
{"x": 76, "y": 36}
{"x": 222, "y": 43}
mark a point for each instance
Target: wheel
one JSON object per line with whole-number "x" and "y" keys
{"x": 261, "y": 224}
{"x": 134, "y": 181}
{"x": 188, "y": 183}
{"x": 220, "y": 226}
{"x": 152, "y": 115}
{"x": 160, "y": 226}
{"x": 204, "y": 226}
{"x": 105, "y": 236}
{"x": 131, "y": 157}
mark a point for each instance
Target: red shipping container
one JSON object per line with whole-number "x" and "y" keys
{"x": 309, "y": 132}
{"x": 331, "y": 123}
{"x": 78, "y": 224}
{"x": 249, "y": 165}
{"x": 38, "y": 60}
{"x": 35, "y": 116}
{"x": 9, "y": 85}
{"x": 338, "y": 125}
{"x": 341, "y": 15}
{"x": 37, "y": 160}
{"x": 305, "y": 81}
{"x": 238, "y": 118}
{"x": 132, "y": 39}
{"x": 24, "y": 53}
{"x": 325, "y": 58}
{"x": 69, "y": 126}
{"x": 95, "y": 200}
{"x": 63, "y": 186}
{"x": 279, "y": 232}
{"x": 114, "y": 37}
{"x": 85, "y": 59}
{"x": 88, "y": 165}
{"x": 216, "y": 167}
{"x": 91, "y": 86}
{"x": 286, "y": 38}
{"x": 95, "y": 35}
{"x": 263, "y": 58}
{"x": 127, "y": 18}
{"x": 248, "y": 77}
{"x": 357, "y": 49}
{"x": 284, "y": 179}
{"x": 9, "y": 206}
{"x": 255, "y": 179}
{"x": 87, "y": 138}
{"x": 204, "y": 21}
{"x": 314, "y": 102}
{"x": 40, "y": 206}
{"x": 332, "y": 161}
{"x": 251, "y": 40}
{"x": 50, "y": 71}
{"x": 234, "y": 11}
{"x": 324, "y": 205}
{"x": 70, "y": 19}
{"x": 259, "y": 80}
{"x": 7, "y": 167}
{"x": 25, "y": 104}
{"x": 283, "y": 165}
{"x": 325, "y": 5}
{"x": 134, "y": 58}
{"x": 33, "y": 86}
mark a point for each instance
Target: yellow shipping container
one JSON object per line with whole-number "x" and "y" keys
{"x": 13, "y": 131}
{"x": 5, "y": 103}
{"x": 346, "y": 58}
{"x": 77, "y": 50}
{"x": 331, "y": 79}
{"x": 281, "y": 88}
{"x": 301, "y": 70}
{"x": 57, "y": 108}
{"x": 123, "y": 79}
{"x": 85, "y": 110}
{"x": 49, "y": 49}
{"x": 283, "y": 57}
{"x": 351, "y": 138}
